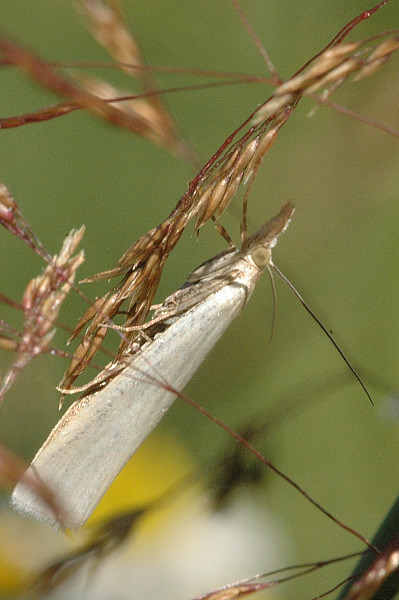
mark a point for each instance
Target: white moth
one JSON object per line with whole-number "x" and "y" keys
{"x": 100, "y": 432}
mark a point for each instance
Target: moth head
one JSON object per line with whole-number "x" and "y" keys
{"x": 261, "y": 256}
{"x": 259, "y": 245}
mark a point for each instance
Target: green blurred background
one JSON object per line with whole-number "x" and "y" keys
{"x": 341, "y": 249}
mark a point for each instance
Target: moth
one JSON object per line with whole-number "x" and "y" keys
{"x": 101, "y": 431}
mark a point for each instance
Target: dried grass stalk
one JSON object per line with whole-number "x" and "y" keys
{"x": 210, "y": 193}
{"x": 108, "y": 27}
{"x": 330, "y": 70}
{"x": 43, "y": 296}
{"x": 152, "y": 121}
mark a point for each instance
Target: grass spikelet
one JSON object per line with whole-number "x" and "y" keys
{"x": 43, "y": 295}
{"x": 330, "y": 69}
{"x": 212, "y": 190}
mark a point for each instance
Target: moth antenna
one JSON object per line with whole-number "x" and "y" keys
{"x": 274, "y": 292}
{"x": 320, "y": 324}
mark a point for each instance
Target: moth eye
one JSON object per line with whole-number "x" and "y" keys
{"x": 261, "y": 257}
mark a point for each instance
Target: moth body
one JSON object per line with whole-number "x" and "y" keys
{"x": 101, "y": 431}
